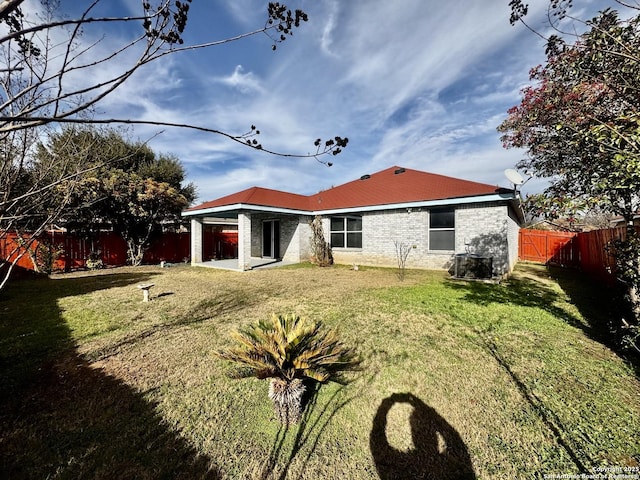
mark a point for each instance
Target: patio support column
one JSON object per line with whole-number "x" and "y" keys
{"x": 196, "y": 241}
{"x": 244, "y": 240}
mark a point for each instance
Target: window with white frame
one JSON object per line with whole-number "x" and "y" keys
{"x": 442, "y": 229}
{"x": 346, "y": 232}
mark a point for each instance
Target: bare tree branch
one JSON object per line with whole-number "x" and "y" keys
{"x": 241, "y": 139}
{"x": 25, "y": 107}
{"x": 8, "y": 6}
{"x": 51, "y": 76}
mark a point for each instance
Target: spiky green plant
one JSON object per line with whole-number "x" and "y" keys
{"x": 289, "y": 349}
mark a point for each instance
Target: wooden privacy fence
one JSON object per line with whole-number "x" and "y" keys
{"x": 111, "y": 249}
{"x": 595, "y": 257}
{"x": 548, "y": 247}
{"x": 585, "y": 250}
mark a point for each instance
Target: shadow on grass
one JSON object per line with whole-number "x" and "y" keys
{"x": 438, "y": 451}
{"x": 600, "y": 306}
{"x": 59, "y": 417}
{"x": 223, "y": 302}
{"x": 550, "y": 420}
{"x": 307, "y": 432}
{"x": 521, "y": 291}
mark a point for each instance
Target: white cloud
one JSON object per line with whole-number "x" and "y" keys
{"x": 246, "y": 12}
{"x": 394, "y": 53}
{"x": 416, "y": 83}
{"x": 326, "y": 39}
{"x": 245, "y": 82}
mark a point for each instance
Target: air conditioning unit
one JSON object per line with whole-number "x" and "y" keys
{"x": 469, "y": 265}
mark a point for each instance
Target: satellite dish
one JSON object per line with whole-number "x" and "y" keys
{"x": 513, "y": 176}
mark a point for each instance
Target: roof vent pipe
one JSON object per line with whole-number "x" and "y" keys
{"x": 365, "y": 177}
{"x": 399, "y": 171}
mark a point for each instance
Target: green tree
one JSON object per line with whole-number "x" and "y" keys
{"x": 580, "y": 125}
{"x": 168, "y": 169}
{"x": 136, "y": 207}
{"x": 129, "y": 189}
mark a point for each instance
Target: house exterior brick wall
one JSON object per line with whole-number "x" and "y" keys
{"x": 487, "y": 230}
{"x": 245, "y": 233}
{"x": 513, "y": 236}
{"x": 256, "y": 233}
{"x": 483, "y": 230}
{"x": 303, "y": 238}
{"x": 294, "y": 235}
{"x": 380, "y": 231}
{"x": 196, "y": 241}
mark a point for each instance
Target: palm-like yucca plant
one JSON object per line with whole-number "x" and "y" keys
{"x": 288, "y": 349}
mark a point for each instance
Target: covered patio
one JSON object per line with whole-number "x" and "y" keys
{"x": 255, "y": 264}
{"x": 266, "y": 236}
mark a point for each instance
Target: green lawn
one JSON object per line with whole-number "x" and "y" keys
{"x": 459, "y": 379}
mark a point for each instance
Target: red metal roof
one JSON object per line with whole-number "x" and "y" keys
{"x": 387, "y": 187}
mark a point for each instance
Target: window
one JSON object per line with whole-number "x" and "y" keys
{"x": 442, "y": 233}
{"x": 346, "y": 232}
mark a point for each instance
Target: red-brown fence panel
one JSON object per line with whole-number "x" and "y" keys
{"x": 10, "y": 249}
{"x": 108, "y": 247}
{"x": 171, "y": 247}
{"x": 589, "y": 251}
{"x": 546, "y": 246}
{"x": 596, "y": 257}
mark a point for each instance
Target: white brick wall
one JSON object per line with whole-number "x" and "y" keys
{"x": 196, "y": 241}
{"x": 486, "y": 230}
{"x": 513, "y": 235}
{"x": 381, "y": 229}
{"x": 303, "y": 233}
{"x": 294, "y": 236}
{"x": 244, "y": 240}
{"x": 479, "y": 228}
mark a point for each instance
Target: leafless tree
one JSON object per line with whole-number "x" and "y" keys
{"x": 49, "y": 76}
{"x": 403, "y": 249}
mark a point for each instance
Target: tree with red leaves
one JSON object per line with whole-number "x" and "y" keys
{"x": 580, "y": 125}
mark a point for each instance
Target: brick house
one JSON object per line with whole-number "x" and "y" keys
{"x": 438, "y": 216}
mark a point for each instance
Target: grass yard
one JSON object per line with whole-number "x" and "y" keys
{"x": 459, "y": 380}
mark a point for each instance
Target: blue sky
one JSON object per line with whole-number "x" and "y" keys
{"x": 417, "y": 83}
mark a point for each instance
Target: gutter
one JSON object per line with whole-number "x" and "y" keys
{"x": 369, "y": 208}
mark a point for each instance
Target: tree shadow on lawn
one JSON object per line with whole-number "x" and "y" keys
{"x": 306, "y": 432}
{"x": 521, "y": 291}
{"x": 596, "y": 302}
{"x": 438, "y": 450}
{"x": 602, "y": 306}
{"x": 222, "y": 303}
{"x": 59, "y": 417}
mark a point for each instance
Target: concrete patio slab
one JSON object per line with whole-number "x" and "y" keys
{"x": 232, "y": 264}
